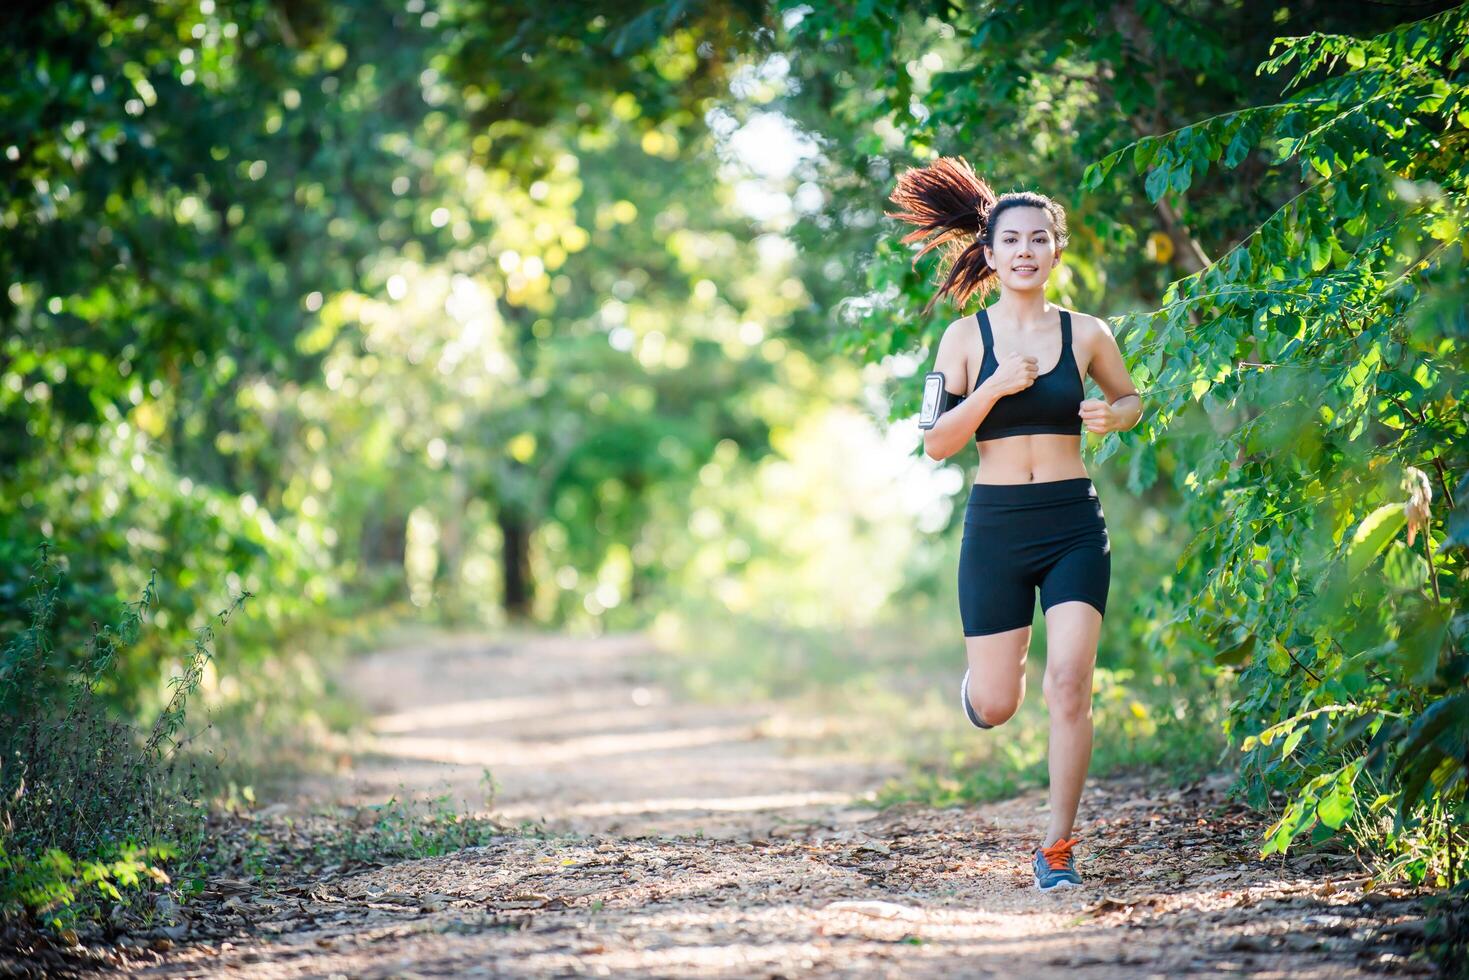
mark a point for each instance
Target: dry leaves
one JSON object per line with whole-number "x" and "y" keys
{"x": 1416, "y": 507}
{"x": 1173, "y": 887}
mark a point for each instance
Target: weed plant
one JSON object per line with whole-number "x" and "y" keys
{"x": 93, "y": 810}
{"x": 271, "y": 851}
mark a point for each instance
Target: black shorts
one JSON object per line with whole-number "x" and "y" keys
{"x": 1018, "y": 536}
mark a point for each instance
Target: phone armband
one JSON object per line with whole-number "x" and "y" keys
{"x": 933, "y": 399}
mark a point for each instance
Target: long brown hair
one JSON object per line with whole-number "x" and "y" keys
{"x": 949, "y": 201}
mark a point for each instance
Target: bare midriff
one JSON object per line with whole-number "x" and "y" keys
{"x": 1036, "y": 458}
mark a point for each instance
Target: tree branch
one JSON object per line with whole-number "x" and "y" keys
{"x": 1290, "y": 653}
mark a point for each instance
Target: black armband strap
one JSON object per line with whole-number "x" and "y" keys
{"x": 937, "y": 399}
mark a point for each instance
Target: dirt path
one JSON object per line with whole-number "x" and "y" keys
{"x": 681, "y": 840}
{"x": 572, "y": 734}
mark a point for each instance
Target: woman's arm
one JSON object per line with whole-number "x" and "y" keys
{"x": 1123, "y": 406}
{"x": 956, "y": 427}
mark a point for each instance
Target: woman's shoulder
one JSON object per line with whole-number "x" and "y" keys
{"x": 962, "y": 324}
{"x": 955, "y": 349}
{"x": 960, "y": 333}
{"x": 1085, "y": 327}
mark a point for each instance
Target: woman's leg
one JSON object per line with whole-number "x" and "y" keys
{"x": 1073, "y": 599}
{"x": 997, "y": 673}
{"x": 1072, "y": 630}
{"x": 996, "y": 606}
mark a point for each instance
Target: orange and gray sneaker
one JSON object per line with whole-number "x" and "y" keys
{"x": 1055, "y": 866}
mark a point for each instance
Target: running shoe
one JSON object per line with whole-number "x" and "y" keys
{"x": 1055, "y": 866}
{"x": 969, "y": 711}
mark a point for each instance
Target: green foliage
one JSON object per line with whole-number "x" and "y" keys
{"x": 60, "y": 891}
{"x": 217, "y": 353}
{"x": 89, "y": 804}
{"x": 353, "y": 305}
{"x": 531, "y": 70}
{"x": 398, "y": 831}
{"x": 1298, "y": 382}
{"x": 1331, "y": 313}
{"x": 166, "y": 222}
{"x": 1032, "y": 95}
{"x": 349, "y": 306}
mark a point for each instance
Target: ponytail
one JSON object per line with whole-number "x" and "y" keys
{"x": 950, "y": 202}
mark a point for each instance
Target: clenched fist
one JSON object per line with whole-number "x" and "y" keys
{"x": 1098, "y": 416}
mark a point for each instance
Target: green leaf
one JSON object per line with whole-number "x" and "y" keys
{"x": 1415, "y": 761}
{"x": 1157, "y": 183}
{"x": 1097, "y": 172}
{"x": 1182, "y": 177}
{"x": 1144, "y": 152}
{"x": 1278, "y": 660}
{"x": 1296, "y": 819}
{"x": 1373, "y": 535}
{"x": 1422, "y": 642}
{"x": 1143, "y": 472}
{"x": 1337, "y": 806}
{"x": 1237, "y": 150}
{"x": 1318, "y": 254}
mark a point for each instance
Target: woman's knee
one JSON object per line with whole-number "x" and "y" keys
{"x": 996, "y": 704}
{"x": 997, "y": 673}
{"x": 1068, "y": 691}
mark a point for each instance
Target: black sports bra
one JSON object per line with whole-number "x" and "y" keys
{"x": 1048, "y": 405}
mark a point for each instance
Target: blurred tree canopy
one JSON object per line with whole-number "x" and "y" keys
{"x": 286, "y": 282}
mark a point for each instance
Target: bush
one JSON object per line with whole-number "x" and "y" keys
{"x": 89, "y": 804}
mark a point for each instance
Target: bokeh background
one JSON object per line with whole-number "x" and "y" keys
{"x": 344, "y": 318}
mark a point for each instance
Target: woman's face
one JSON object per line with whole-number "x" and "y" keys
{"x": 1025, "y": 251}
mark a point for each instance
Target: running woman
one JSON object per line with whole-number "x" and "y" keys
{"x": 1033, "y": 519}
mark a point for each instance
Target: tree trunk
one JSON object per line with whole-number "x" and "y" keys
{"x": 447, "y": 582}
{"x": 515, "y": 563}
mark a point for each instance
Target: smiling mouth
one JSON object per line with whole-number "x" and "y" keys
{"x": 1023, "y": 268}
